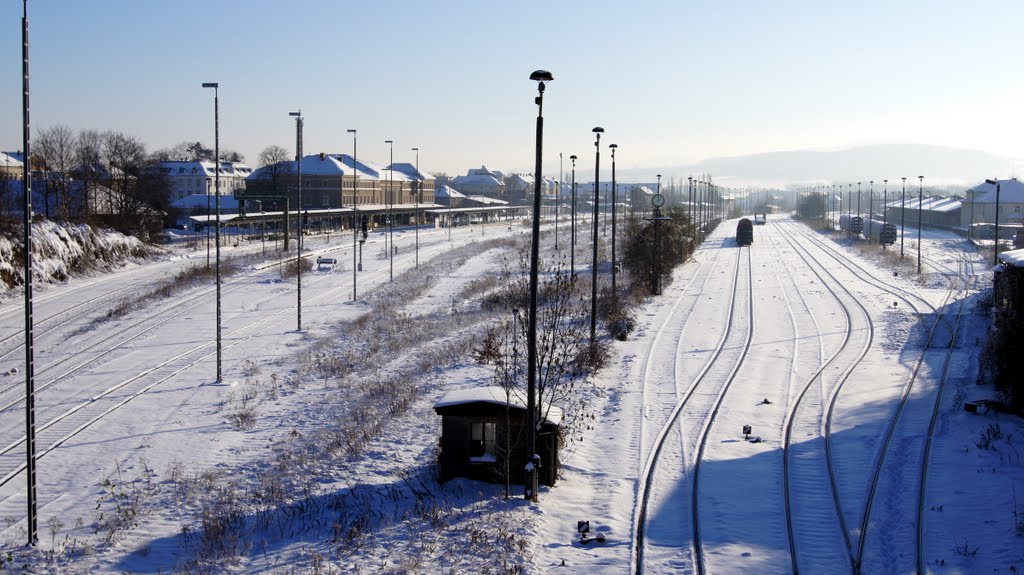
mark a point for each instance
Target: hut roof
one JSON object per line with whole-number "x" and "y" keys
{"x": 496, "y": 395}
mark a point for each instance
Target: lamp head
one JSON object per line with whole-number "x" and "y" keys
{"x": 613, "y": 146}
{"x": 210, "y": 84}
{"x": 296, "y": 114}
{"x": 598, "y": 130}
{"x": 389, "y": 142}
{"x": 415, "y": 149}
{"x": 573, "y": 157}
{"x": 993, "y": 182}
{"x": 541, "y": 76}
{"x": 351, "y": 131}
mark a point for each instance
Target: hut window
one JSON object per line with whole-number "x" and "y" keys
{"x": 481, "y": 439}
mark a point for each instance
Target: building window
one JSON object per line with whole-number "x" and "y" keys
{"x": 481, "y": 440}
{"x": 324, "y": 201}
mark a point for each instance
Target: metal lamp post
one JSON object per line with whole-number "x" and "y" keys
{"x": 355, "y": 211}
{"x": 593, "y": 279}
{"x": 539, "y": 76}
{"x": 995, "y": 256}
{"x": 216, "y": 186}
{"x": 298, "y": 206}
{"x": 689, "y": 205}
{"x": 903, "y": 214}
{"x": 920, "y": 204}
{"x": 885, "y": 201}
{"x": 416, "y": 198}
{"x": 391, "y": 213}
{"x": 871, "y": 208}
{"x": 614, "y": 293}
{"x": 858, "y": 199}
{"x": 659, "y": 185}
{"x": 572, "y": 246}
{"x": 558, "y": 196}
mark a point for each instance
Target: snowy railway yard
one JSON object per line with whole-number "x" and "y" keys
{"x": 852, "y": 378}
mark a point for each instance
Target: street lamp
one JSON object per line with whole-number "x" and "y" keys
{"x": 885, "y": 202}
{"x": 355, "y": 211}
{"x": 614, "y": 293}
{"x": 659, "y": 185}
{"x": 572, "y": 251}
{"x": 416, "y": 198}
{"x": 858, "y": 201}
{"x": 558, "y": 195}
{"x": 871, "y": 208}
{"x": 903, "y": 214}
{"x": 216, "y": 185}
{"x": 920, "y": 203}
{"x": 539, "y": 76}
{"x": 298, "y": 206}
{"x": 689, "y": 206}
{"x": 391, "y": 213}
{"x": 995, "y": 257}
{"x": 593, "y": 280}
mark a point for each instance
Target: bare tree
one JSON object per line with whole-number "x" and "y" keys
{"x": 564, "y": 353}
{"x": 140, "y": 190}
{"x": 56, "y": 147}
{"x": 274, "y": 165}
{"x": 89, "y": 170}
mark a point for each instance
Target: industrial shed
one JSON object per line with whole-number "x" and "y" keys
{"x": 479, "y": 424}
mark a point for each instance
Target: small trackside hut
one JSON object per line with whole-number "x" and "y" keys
{"x": 482, "y": 429}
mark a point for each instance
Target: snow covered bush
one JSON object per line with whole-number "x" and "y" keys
{"x": 60, "y": 250}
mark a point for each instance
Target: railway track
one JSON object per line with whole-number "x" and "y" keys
{"x": 73, "y": 420}
{"x": 966, "y": 272}
{"x": 832, "y": 397}
{"x": 902, "y": 430}
{"x": 704, "y": 412}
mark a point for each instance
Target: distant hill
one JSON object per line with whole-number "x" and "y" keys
{"x": 938, "y": 164}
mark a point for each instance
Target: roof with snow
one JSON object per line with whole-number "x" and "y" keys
{"x": 487, "y": 200}
{"x": 477, "y": 178}
{"x": 447, "y": 192}
{"x": 9, "y": 160}
{"x": 940, "y": 204}
{"x": 410, "y": 171}
{"x": 330, "y": 165}
{"x": 496, "y": 395}
{"x": 1014, "y": 258}
{"x": 1010, "y": 191}
{"x": 482, "y": 171}
{"x": 190, "y": 167}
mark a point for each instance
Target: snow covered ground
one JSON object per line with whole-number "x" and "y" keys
{"x": 268, "y": 471}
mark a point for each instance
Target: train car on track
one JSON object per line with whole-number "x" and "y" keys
{"x": 744, "y": 232}
{"x": 852, "y": 224}
{"x": 884, "y": 233}
{"x": 761, "y": 219}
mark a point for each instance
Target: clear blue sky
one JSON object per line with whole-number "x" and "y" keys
{"x": 672, "y": 82}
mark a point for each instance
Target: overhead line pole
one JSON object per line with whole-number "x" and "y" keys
{"x": 30, "y": 396}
